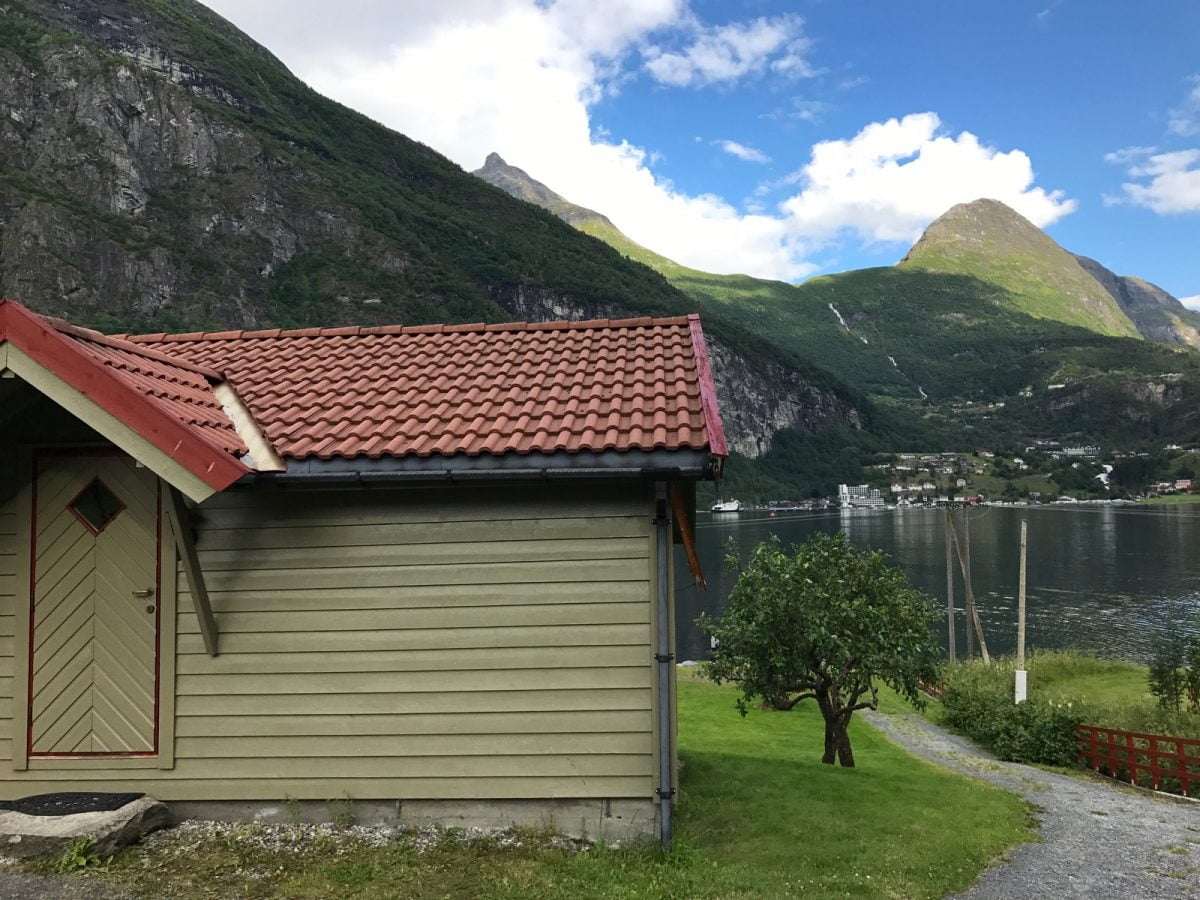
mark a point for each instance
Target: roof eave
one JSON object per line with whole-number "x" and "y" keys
{"x": 708, "y": 390}
{"x": 48, "y": 360}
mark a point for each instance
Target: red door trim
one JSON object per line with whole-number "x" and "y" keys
{"x": 84, "y": 452}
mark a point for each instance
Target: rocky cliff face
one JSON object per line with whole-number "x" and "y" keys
{"x": 520, "y": 184}
{"x": 161, "y": 171}
{"x": 1157, "y": 315}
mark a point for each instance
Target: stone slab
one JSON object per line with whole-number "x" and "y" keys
{"x": 23, "y": 836}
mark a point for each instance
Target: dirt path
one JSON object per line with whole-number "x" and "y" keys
{"x": 1097, "y": 840}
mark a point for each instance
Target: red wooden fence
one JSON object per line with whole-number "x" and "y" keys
{"x": 1165, "y": 763}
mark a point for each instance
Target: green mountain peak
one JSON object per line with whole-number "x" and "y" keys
{"x": 991, "y": 241}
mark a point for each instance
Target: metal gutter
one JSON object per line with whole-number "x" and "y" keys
{"x": 362, "y": 472}
{"x": 665, "y": 660}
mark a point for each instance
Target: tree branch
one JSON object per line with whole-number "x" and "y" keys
{"x": 873, "y": 703}
{"x": 792, "y": 703}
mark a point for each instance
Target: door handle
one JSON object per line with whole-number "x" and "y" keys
{"x": 148, "y": 592}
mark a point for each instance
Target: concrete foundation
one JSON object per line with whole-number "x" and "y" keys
{"x": 608, "y": 820}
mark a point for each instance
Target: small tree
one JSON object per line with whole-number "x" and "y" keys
{"x": 1174, "y": 674}
{"x": 824, "y": 622}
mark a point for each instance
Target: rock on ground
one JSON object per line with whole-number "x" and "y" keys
{"x": 1097, "y": 839}
{"x": 23, "y": 836}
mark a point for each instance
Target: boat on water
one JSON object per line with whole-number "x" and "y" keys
{"x": 726, "y": 506}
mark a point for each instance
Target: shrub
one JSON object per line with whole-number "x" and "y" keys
{"x": 1036, "y": 731}
{"x": 979, "y": 703}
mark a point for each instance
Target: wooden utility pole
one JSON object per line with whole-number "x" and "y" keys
{"x": 965, "y": 550}
{"x": 974, "y": 625}
{"x": 951, "y": 637}
{"x": 1020, "y": 687}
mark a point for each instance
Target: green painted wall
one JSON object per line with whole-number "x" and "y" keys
{"x": 483, "y": 642}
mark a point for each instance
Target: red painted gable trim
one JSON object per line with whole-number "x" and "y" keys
{"x": 708, "y": 390}
{"x": 43, "y": 344}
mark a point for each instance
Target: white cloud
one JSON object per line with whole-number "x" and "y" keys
{"x": 1192, "y": 302}
{"x": 1128, "y": 154}
{"x": 730, "y": 52}
{"x": 1169, "y": 183}
{"x": 1184, "y": 119}
{"x": 1043, "y": 18}
{"x": 800, "y": 110}
{"x": 889, "y": 180}
{"x": 521, "y": 77}
{"x": 741, "y": 151}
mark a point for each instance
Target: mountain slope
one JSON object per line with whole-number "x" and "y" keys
{"x": 161, "y": 171}
{"x": 955, "y": 358}
{"x": 1157, "y": 315}
{"x": 518, "y": 183}
{"x": 990, "y": 241}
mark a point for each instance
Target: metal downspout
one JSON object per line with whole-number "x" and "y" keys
{"x": 665, "y": 660}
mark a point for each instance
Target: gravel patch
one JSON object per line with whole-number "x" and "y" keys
{"x": 189, "y": 836}
{"x": 188, "y": 839}
{"x": 1096, "y": 839}
{"x": 14, "y": 886}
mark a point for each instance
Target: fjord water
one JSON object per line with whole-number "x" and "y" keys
{"x": 1101, "y": 578}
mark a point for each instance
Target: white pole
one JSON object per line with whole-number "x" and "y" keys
{"x": 1021, "y": 692}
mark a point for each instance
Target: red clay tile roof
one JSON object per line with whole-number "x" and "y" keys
{"x": 182, "y": 390}
{"x": 634, "y": 384}
{"x": 168, "y": 401}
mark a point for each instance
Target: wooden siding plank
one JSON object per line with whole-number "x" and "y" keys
{"x": 444, "y": 554}
{"x": 414, "y": 575}
{"x": 440, "y": 503}
{"x": 439, "y": 701}
{"x": 540, "y": 658}
{"x": 413, "y": 746}
{"x": 425, "y": 638}
{"x": 482, "y": 681}
{"x": 412, "y": 619}
{"x": 447, "y": 723}
{"x": 272, "y": 533}
{"x": 428, "y": 596}
{"x": 574, "y": 766}
{"x": 48, "y": 776}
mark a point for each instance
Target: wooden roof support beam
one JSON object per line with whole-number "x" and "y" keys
{"x": 185, "y": 543}
{"x": 689, "y": 536}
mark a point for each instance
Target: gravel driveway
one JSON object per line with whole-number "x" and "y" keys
{"x": 1097, "y": 839}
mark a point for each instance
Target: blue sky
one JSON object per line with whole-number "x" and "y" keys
{"x": 786, "y": 139}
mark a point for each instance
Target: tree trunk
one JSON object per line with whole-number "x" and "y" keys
{"x": 830, "y": 716}
{"x": 845, "y": 753}
{"x": 837, "y": 741}
{"x": 830, "y": 744}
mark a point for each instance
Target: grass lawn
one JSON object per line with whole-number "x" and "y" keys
{"x": 1170, "y": 499}
{"x": 759, "y": 817}
{"x": 1095, "y": 681}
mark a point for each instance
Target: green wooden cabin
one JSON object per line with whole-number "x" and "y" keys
{"x": 426, "y": 569}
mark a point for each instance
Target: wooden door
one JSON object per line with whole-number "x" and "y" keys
{"x": 93, "y": 662}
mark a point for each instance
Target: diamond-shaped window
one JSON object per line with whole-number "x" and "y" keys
{"x": 96, "y": 506}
